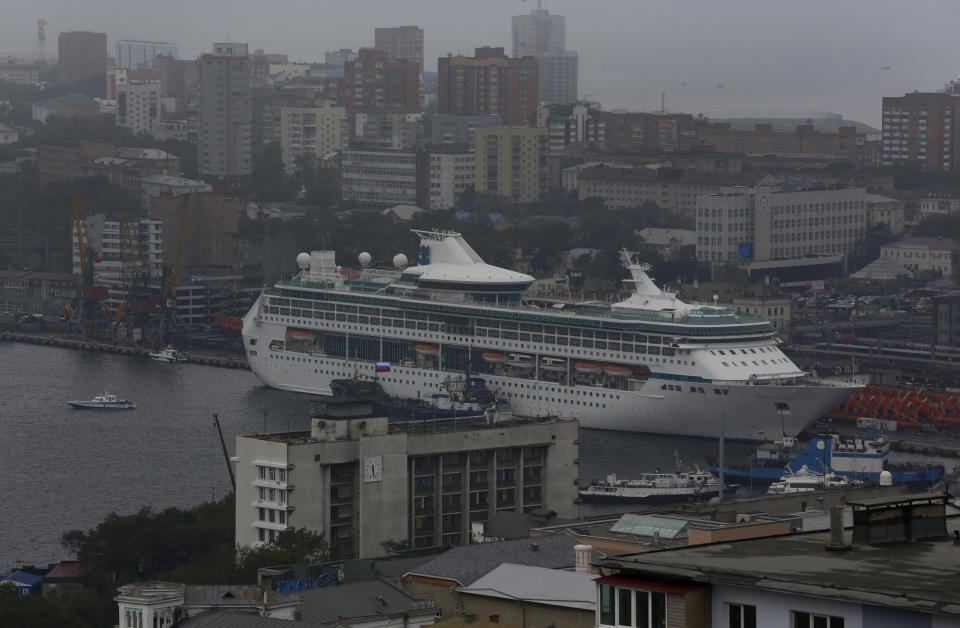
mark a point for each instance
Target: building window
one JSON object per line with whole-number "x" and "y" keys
{"x": 810, "y": 620}
{"x": 741, "y": 616}
{"x": 623, "y": 606}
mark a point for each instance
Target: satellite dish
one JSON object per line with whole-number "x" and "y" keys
{"x": 400, "y": 260}
{"x": 303, "y": 261}
{"x": 364, "y": 258}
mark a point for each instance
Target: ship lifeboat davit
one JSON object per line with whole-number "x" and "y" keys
{"x": 493, "y": 356}
{"x": 520, "y": 361}
{"x": 301, "y": 334}
{"x": 552, "y": 364}
{"x": 617, "y": 371}
{"x": 587, "y": 368}
{"x": 427, "y": 349}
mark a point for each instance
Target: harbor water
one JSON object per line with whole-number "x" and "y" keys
{"x": 62, "y": 469}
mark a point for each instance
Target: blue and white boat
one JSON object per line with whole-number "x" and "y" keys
{"x": 858, "y": 459}
{"x": 106, "y": 401}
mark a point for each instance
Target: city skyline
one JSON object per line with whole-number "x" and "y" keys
{"x": 815, "y": 57}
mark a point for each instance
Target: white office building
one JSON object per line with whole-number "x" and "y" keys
{"x": 451, "y": 174}
{"x": 138, "y": 106}
{"x": 311, "y": 132}
{"x": 225, "y": 135}
{"x": 740, "y": 224}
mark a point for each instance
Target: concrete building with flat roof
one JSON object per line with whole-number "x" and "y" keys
{"x": 81, "y": 55}
{"x": 225, "y": 140}
{"x": 512, "y": 162}
{"x": 310, "y": 132}
{"x": 378, "y": 178}
{"x": 138, "y": 106}
{"x": 363, "y": 480}
{"x": 894, "y": 569}
{"x": 401, "y": 43}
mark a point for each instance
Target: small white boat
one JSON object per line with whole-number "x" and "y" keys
{"x": 169, "y": 354}
{"x": 106, "y": 401}
{"x": 806, "y": 480}
{"x": 520, "y": 361}
{"x": 553, "y": 364}
{"x": 654, "y": 487}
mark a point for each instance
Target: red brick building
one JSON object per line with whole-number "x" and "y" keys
{"x": 401, "y": 43}
{"x": 921, "y": 128}
{"x": 372, "y": 80}
{"x": 630, "y": 132}
{"x": 489, "y": 83}
{"x": 804, "y": 140}
{"x": 81, "y": 55}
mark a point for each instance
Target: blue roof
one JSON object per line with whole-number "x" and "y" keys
{"x": 23, "y": 577}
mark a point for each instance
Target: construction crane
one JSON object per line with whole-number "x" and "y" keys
{"x": 167, "y": 307}
{"x": 89, "y": 317}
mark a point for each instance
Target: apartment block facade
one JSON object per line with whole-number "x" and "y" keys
{"x": 920, "y": 128}
{"x": 401, "y": 43}
{"x": 81, "y": 55}
{"x": 489, "y": 83}
{"x": 512, "y": 162}
{"x": 444, "y": 174}
{"x": 740, "y": 224}
{"x": 310, "y": 132}
{"x": 225, "y": 146}
{"x": 138, "y": 106}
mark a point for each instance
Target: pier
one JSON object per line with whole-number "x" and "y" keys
{"x": 86, "y": 344}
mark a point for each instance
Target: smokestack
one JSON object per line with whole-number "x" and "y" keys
{"x": 582, "y": 554}
{"x": 836, "y": 530}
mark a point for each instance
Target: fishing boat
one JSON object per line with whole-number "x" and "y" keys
{"x": 683, "y": 356}
{"x": 806, "y": 480}
{"x": 168, "y": 354}
{"x": 106, "y": 401}
{"x": 857, "y": 458}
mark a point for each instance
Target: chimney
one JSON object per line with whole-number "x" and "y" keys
{"x": 836, "y": 530}
{"x": 582, "y": 554}
{"x": 379, "y": 604}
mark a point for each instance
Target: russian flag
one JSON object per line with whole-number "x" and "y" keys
{"x": 383, "y": 367}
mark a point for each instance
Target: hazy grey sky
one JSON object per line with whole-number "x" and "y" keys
{"x": 810, "y": 55}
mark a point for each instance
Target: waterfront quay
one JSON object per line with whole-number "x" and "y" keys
{"x": 86, "y": 344}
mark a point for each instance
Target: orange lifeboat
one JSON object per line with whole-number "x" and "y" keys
{"x": 301, "y": 334}
{"x": 642, "y": 372}
{"x": 427, "y": 349}
{"x": 493, "y": 356}
{"x": 587, "y": 368}
{"x": 617, "y": 371}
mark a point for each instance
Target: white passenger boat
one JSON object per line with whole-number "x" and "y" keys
{"x": 168, "y": 354}
{"x": 106, "y": 401}
{"x": 654, "y": 487}
{"x": 806, "y": 480}
{"x": 650, "y": 363}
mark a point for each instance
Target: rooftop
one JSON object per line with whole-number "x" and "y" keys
{"x": 132, "y": 152}
{"x": 357, "y": 600}
{"x": 933, "y": 244}
{"x": 916, "y": 575}
{"x": 538, "y": 584}
{"x": 467, "y": 564}
{"x": 240, "y": 620}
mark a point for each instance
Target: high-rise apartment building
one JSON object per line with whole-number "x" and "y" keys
{"x": 310, "y": 132}
{"x": 138, "y": 106}
{"x": 921, "y": 128}
{"x": 372, "y": 80}
{"x": 543, "y": 36}
{"x": 81, "y": 55}
{"x": 444, "y": 173}
{"x": 225, "y": 134}
{"x": 512, "y": 162}
{"x": 401, "y": 43}
{"x": 133, "y": 54}
{"x": 489, "y": 83}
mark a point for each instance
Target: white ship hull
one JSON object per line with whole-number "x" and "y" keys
{"x": 635, "y": 494}
{"x": 747, "y": 412}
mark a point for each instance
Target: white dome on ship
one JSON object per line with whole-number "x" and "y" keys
{"x": 303, "y": 261}
{"x": 364, "y": 258}
{"x": 399, "y": 260}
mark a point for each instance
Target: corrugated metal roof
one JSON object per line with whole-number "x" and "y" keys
{"x": 354, "y": 601}
{"x": 538, "y": 584}
{"x": 465, "y": 565}
{"x": 649, "y": 525}
{"x": 22, "y": 577}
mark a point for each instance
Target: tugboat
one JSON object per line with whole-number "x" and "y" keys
{"x": 169, "y": 354}
{"x": 655, "y": 487}
{"x": 106, "y": 401}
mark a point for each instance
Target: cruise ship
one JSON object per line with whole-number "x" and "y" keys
{"x": 650, "y": 363}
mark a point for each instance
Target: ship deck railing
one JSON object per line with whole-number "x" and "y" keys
{"x": 693, "y": 317}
